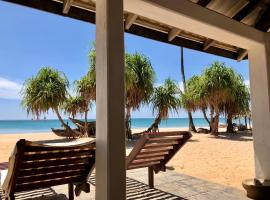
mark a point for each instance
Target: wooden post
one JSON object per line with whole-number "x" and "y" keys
{"x": 110, "y": 137}
{"x": 151, "y": 177}
{"x": 70, "y": 191}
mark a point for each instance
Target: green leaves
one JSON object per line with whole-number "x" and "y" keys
{"x": 48, "y": 89}
{"x": 218, "y": 86}
{"x": 165, "y": 99}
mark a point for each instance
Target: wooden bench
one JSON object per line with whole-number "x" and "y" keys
{"x": 34, "y": 166}
{"x": 155, "y": 150}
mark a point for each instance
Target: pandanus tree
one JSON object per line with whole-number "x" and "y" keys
{"x": 47, "y": 90}
{"x": 193, "y": 98}
{"x": 139, "y": 82}
{"x": 164, "y": 100}
{"x": 220, "y": 90}
{"x": 140, "y": 77}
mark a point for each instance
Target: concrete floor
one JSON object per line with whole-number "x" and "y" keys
{"x": 168, "y": 185}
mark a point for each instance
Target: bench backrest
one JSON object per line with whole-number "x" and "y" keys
{"x": 33, "y": 165}
{"x": 156, "y": 149}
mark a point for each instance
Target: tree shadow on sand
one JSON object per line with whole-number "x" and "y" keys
{"x": 238, "y": 136}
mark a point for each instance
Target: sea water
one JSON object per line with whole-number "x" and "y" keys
{"x": 39, "y": 126}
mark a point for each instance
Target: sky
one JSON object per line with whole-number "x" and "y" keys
{"x": 31, "y": 39}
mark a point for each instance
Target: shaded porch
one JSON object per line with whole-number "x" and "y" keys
{"x": 169, "y": 185}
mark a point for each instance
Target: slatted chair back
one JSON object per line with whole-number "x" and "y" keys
{"x": 33, "y": 165}
{"x": 155, "y": 150}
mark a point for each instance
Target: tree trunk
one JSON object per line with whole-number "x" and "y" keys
{"x": 211, "y": 118}
{"x": 154, "y": 126}
{"x": 249, "y": 123}
{"x": 86, "y": 123}
{"x": 215, "y": 122}
{"x": 229, "y": 124}
{"x": 246, "y": 121}
{"x": 128, "y": 123}
{"x": 190, "y": 119}
{"x": 205, "y": 116}
{"x": 60, "y": 119}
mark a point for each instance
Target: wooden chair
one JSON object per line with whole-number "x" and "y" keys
{"x": 34, "y": 166}
{"x": 154, "y": 150}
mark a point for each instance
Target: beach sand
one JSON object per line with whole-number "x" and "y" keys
{"x": 227, "y": 159}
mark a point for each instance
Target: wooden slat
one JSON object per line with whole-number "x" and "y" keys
{"x": 68, "y": 154}
{"x": 56, "y": 148}
{"x": 37, "y": 185}
{"x": 165, "y": 144}
{"x": 172, "y": 133}
{"x": 151, "y": 155}
{"x": 154, "y": 151}
{"x": 203, "y": 3}
{"x": 164, "y": 139}
{"x": 50, "y": 176}
{"x": 143, "y": 165}
{"x": 52, "y": 169}
{"x": 48, "y": 163}
{"x": 146, "y": 160}
{"x": 157, "y": 149}
{"x": 251, "y": 6}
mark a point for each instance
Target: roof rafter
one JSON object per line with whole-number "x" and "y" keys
{"x": 251, "y": 6}
{"x": 67, "y": 6}
{"x": 131, "y": 18}
{"x": 203, "y": 3}
{"x": 264, "y": 22}
{"x": 88, "y": 16}
{"x": 173, "y": 33}
{"x": 208, "y": 43}
{"x": 242, "y": 54}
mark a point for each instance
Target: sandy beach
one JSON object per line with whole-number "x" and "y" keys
{"x": 227, "y": 159}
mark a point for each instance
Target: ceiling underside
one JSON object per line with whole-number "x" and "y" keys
{"x": 254, "y": 13}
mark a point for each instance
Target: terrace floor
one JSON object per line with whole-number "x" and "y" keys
{"x": 169, "y": 185}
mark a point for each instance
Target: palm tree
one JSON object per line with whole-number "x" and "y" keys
{"x": 78, "y": 105}
{"x": 163, "y": 101}
{"x": 86, "y": 90}
{"x": 47, "y": 90}
{"x": 139, "y": 82}
{"x": 140, "y": 77}
{"x": 190, "y": 119}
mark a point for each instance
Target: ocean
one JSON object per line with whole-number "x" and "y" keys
{"x": 32, "y": 126}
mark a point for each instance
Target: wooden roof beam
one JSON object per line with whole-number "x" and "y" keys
{"x": 67, "y": 6}
{"x": 208, "y": 43}
{"x": 264, "y": 22}
{"x": 173, "y": 33}
{"x": 131, "y": 18}
{"x": 246, "y": 10}
{"x": 203, "y": 3}
{"x": 242, "y": 54}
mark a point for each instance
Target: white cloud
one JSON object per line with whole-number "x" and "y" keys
{"x": 9, "y": 89}
{"x": 247, "y": 83}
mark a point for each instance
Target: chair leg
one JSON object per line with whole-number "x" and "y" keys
{"x": 151, "y": 177}
{"x": 70, "y": 191}
{"x": 11, "y": 197}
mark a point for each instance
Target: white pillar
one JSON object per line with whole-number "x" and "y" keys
{"x": 259, "y": 62}
{"x": 110, "y": 155}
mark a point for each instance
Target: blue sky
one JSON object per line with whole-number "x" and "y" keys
{"x": 31, "y": 39}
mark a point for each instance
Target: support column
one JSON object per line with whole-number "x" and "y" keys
{"x": 110, "y": 154}
{"x": 259, "y": 64}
